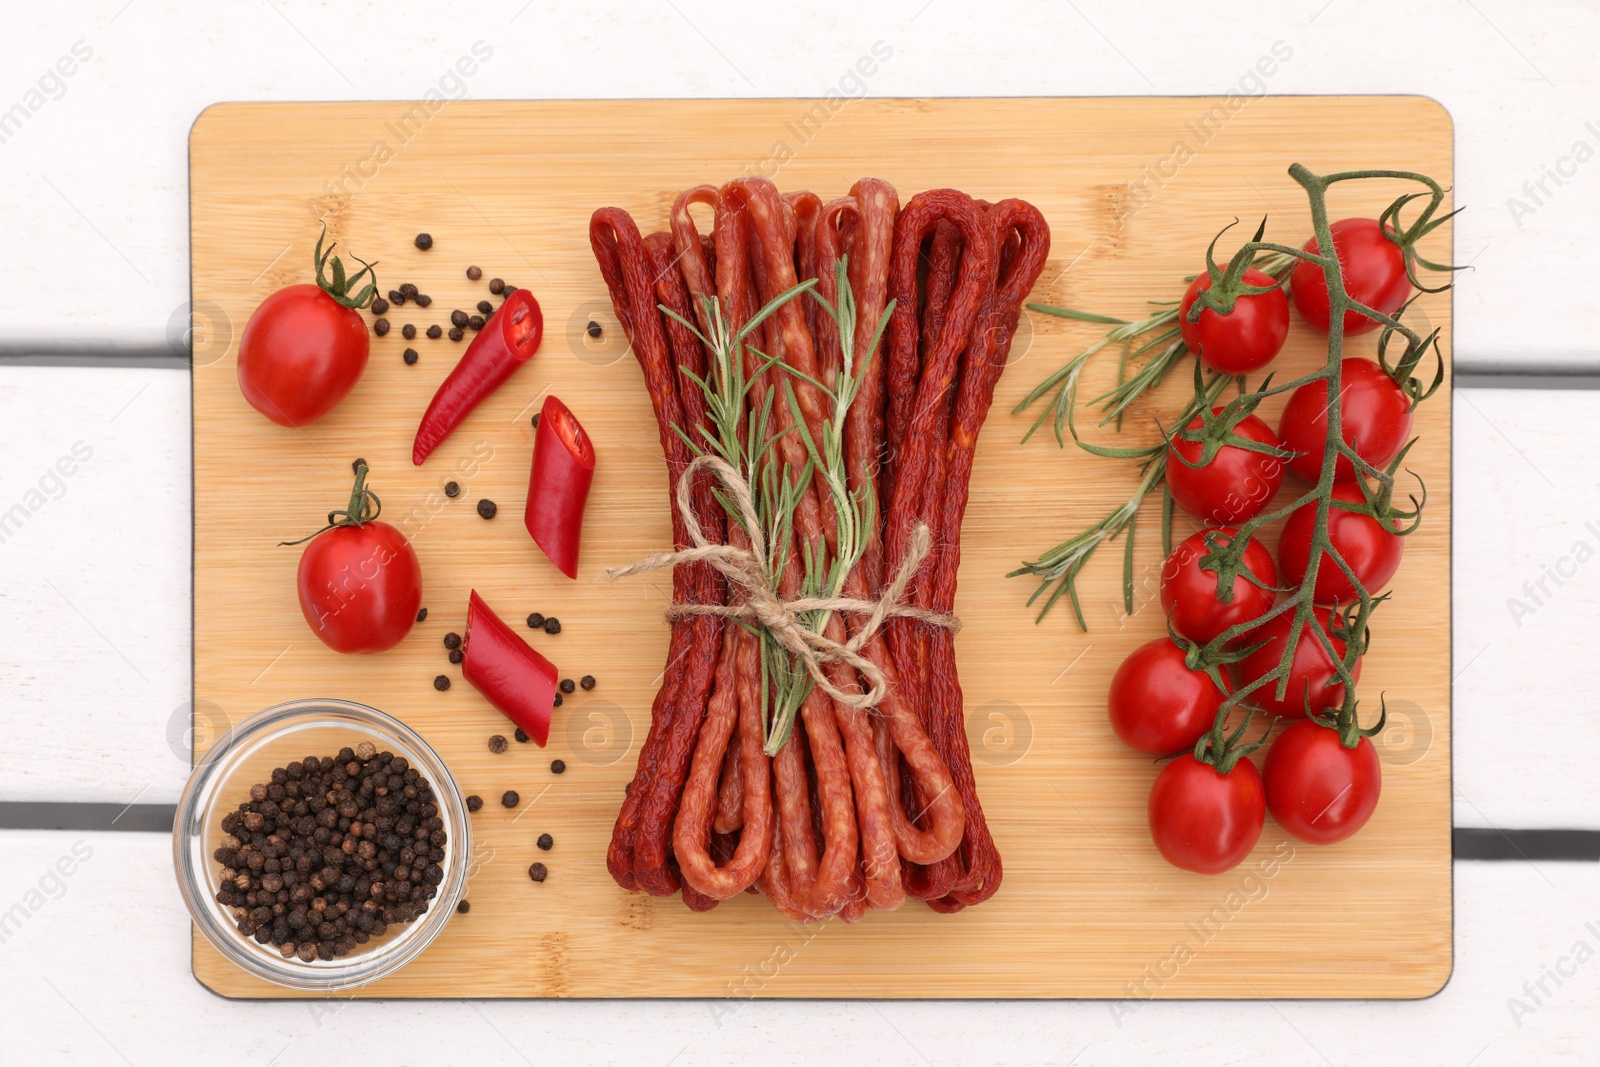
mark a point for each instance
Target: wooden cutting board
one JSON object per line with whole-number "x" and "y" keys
{"x": 1133, "y": 190}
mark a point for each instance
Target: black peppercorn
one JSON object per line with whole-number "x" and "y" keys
{"x": 409, "y": 290}
{"x": 509, "y": 290}
{"x": 497, "y": 744}
{"x": 485, "y": 308}
{"x": 422, "y": 616}
{"x": 463, "y": 907}
{"x": 567, "y": 685}
{"x": 593, "y": 329}
{"x": 434, "y": 332}
{"x": 474, "y": 802}
{"x": 552, "y": 625}
{"x": 496, "y": 286}
{"x": 452, "y": 640}
{"x": 487, "y": 508}
{"x": 557, "y": 700}
{"x": 424, "y": 241}
{"x": 510, "y": 799}
{"x": 474, "y": 273}
{"x": 545, "y": 842}
{"x": 475, "y": 322}
{"x": 380, "y": 306}
{"x": 396, "y": 297}
{"x": 536, "y": 420}
{"x": 558, "y": 766}
{"x": 522, "y": 736}
{"x": 455, "y": 655}
{"x": 356, "y": 465}
{"x": 422, "y": 300}
{"x": 409, "y": 332}
{"x": 451, "y": 489}
{"x": 410, "y": 356}
{"x": 458, "y": 317}
{"x": 586, "y": 682}
{"x": 380, "y": 327}
{"x": 457, "y": 333}
{"x": 538, "y": 872}
{"x": 536, "y": 621}
{"x": 441, "y": 683}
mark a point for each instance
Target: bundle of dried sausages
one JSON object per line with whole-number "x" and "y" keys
{"x": 859, "y": 808}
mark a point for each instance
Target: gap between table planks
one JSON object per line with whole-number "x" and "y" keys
{"x": 1087, "y": 908}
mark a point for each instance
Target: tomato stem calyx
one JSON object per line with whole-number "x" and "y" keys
{"x": 364, "y": 507}
{"x": 339, "y": 286}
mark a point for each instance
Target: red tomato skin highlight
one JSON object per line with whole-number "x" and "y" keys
{"x": 1317, "y": 789}
{"x": 558, "y": 485}
{"x": 511, "y": 675}
{"x": 1236, "y": 486}
{"x": 1374, "y": 414}
{"x": 1189, "y": 592}
{"x": 1372, "y": 552}
{"x": 1374, "y": 270}
{"x": 300, "y": 355}
{"x": 360, "y": 587}
{"x": 1203, "y": 821}
{"x": 1311, "y": 671}
{"x": 1157, "y": 705}
{"x": 1244, "y": 340}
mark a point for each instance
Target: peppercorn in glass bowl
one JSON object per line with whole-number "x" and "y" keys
{"x": 246, "y": 756}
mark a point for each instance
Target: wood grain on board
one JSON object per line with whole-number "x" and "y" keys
{"x": 1133, "y": 190}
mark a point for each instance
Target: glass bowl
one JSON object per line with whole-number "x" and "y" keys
{"x": 247, "y": 755}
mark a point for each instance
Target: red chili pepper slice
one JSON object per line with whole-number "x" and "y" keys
{"x": 507, "y": 341}
{"x": 518, "y": 681}
{"x": 558, "y": 485}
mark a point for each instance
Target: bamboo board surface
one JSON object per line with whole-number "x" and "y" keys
{"x": 1087, "y": 908}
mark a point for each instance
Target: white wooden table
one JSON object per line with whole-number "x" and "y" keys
{"x": 94, "y": 631}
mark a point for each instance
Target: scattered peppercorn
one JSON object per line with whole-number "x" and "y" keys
{"x": 458, "y": 317}
{"x": 496, "y": 286}
{"x": 536, "y": 420}
{"x": 356, "y": 465}
{"x": 497, "y": 744}
{"x": 435, "y": 332}
{"x": 536, "y": 621}
{"x": 422, "y": 614}
{"x": 509, "y": 799}
{"x": 441, "y": 683}
{"x": 474, "y": 273}
{"x": 455, "y": 655}
{"x": 451, "y": 489}
{"x": 457, "y": 333}
{"x": 409, "y": 332}
{"x": 463, "y": 907}
{"x": 380, "y": 327}
{"x": 508, "y": 290}
{"x": 475, "y": 322}
{"x": 567, "y": 685}
{"x": 558, "y": 766}
{"x": 474, "y": 802}
{"x": 521, "y": 736}
{"x": 409, "y": 290}
{"x": 586, "y": 682}
{"x": 485, "y": 308}
{"x": 487, "y": 508}
{"x": 552, "y": 625}
{"x": 334, "y": 852}
{"x": 557, "y": 701}
{"x": 424, "y": 241}
{"x": 423, "y": 300}
{"x": 538, "y": 872}
{"x": 410, "y": 356}
{"x": 545, "y": 842}
{"x": 452, "y": 640}
{"x": 380, "y": 306}
{"x": 396, "y": 297}
{"x": 594, "y": 329}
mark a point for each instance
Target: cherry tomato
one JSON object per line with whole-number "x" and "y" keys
{"x": 1312, "y": 672}
{"x": 1374, "y": 413}
{"x": 1374, "y": 270}
{"x": 1205, "y": 821}
{"x": 1244, "y": 340}
{"x": 1372, "y": 552}
{"x": 1319, "y": 790}
{"x": 1158, "y": 705}
{"x": 1235, "y": 486}
{"x": 1189, "y": 591}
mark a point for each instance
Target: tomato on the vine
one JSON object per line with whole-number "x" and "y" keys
{"x": 1312, "y": 673}
{"x": 305, "y": 347}
{"x": 1375, "y": 415}
{"x": 1246, "y": 338}
{"x": 1318, "y": 789}
{"x": 1374, "y": 269}
{"x": 1203, "y": 820}
{"x": 1372, "y": 551}
{"x": 359, "y": 581}
{"x": 1189, "y": 591}
{"x": 1236, "y": 485}
{"x": 1157, "y": 704}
